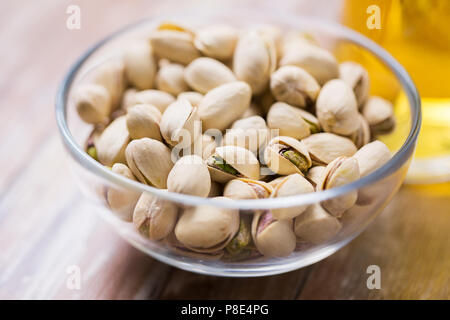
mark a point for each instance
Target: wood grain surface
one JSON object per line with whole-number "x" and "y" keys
{"x": 46, "y": 226}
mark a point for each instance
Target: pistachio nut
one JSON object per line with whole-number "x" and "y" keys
{"x": 143, "y": 121}
{"x": 243, "y": 188}
{"x": 170, "y": 78}
{"x": 229, "y": 162}
{"x": 193, "y": 97}
{"x": 361, "y": 136}
{"x": 217, "y": 42}
{"x": 177, "y": 123}
{"x": 157, "y": 98}
{"x": 325, "y": 147}
{"x": 207, "y": 229}
{"x": 379, "y": 113}
{"x": 357, "y": 78}
{"x": 291, "y": 185}
{"x": 154, "y": 217}
{"x": 273, "y": 238}
{"x": 254, "y": 60}
{"x": 223, "y": 105}
{"x": 314, "y": 174}
{"x": 190, "y": 175}
{"x": 250, "y": 133}
{"x": 294, "y": 86}
{"x": 318, "y": 62}
{"x": 339, "y": 172}
{"x": 372, "y": 156}
{"x": 336, "y": 108}
{"x": 315, "y": 225}
{"x": 122, "y": 201}
{"x": 140, "y": 65}
{"x": 128, "y": 99}
{"x": 112, "y": 142}
{"x": 204, "y": 74}
{"x": 150, "y": 161}
{"x": 292, "y": 122}
{"x": 286, "y": 155}
{"x": 174, "y": 45}
{"x": 93, "y": 103}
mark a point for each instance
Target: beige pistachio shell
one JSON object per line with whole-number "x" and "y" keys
{"x": 339, "y": 172}
{"x": 292, "y": 122}
{"x": 357, "y": 78}
{"x": 128, "y": 99}
{"x": 250, "y": 133}
{"x": 273, "y": 238}
{"x": 190, "y": 175}
{"x": 361, "y": 136}
{"x": 240, "y": 159}
{"x": 273, "y": 183}
{"x": 379, "y": 113}
{"x": 325, "y": 147}
{"x": 170, "y": 78}
{"x": 206, "y": 228}
{"x": 247, "y": 189}
{"x": 336, "y": 108}
{"x": 150, "y": 161}
{"x": 280, "y": 164}
{"x": 193, "y": 97}
{"x": 205, "y": 146}
{"x": 143, "y": 121}
{"x": 112, "y": 142}
{"x": 223, "y": 105}
{"x": 372, "y": 156}
{"x": 254, "y": 60}
{"x": 315, "y": 225}
{"x": 175, "y": 245}
{"x": 174, "y": 45}
{"x": 93, "y": 103}
{"x": 291, "y": 185}
{"x": 217, "y": 42}
{"x": 314, "y": 174}
{"x": 154, "y": 217}
{"x": 294, "y": 86}
{"x": 157, "y": 98}
{"x": 122, "y": 201}
{"x": 140, "y": 65}
{"x": 178, "y": 123}
{"x": 204, "y": 74}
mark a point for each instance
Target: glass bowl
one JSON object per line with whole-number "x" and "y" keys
{"x": 376, "y": 189}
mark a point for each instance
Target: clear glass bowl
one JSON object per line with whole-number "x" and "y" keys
{"x": 376, "y": 189}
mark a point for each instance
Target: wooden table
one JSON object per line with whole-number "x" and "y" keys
{"x": 46, "y": 226}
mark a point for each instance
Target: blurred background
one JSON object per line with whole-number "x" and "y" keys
{"x": 47, "y": 228}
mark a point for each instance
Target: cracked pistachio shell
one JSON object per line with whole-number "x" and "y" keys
{"x": 254, "y": 60}
{"x": 157, "y": 98}
{"x": 204, "y": 74}
{"x": 291, "y": 121}
{"x": 318, "y": 62}
{"x": 193, "y": 97}
{"x": 190, "y": 175}
{"x": 140, "y": 65}
{"x": 250, "y": 133}
{"x": 291, "y": 185}
{"x": 325, "y": 147}
{"x": 174, "y": 45}
{"x": 93, "y": 103}
{"x": 150, "y": 161}
{"x": 247, "y": 189}
{"x": 217, "y": 42}
{"x": 336, "y": 108}
{"x": 273, "y": 238}
{"x": 143, "y": 121}
{"x": 221, "y": 106}
{"x": 177, "y": 123}
{"x": 379, "y": 113}
{"x": 154, "y": 217}
{"x": 339, "y": 172}
{"x": 357, "y": 78}
{"x": 361, "y": 136}
{"x": 112, "y": 142}
{"x": 314, "y": 174}
{"x": 122, "y": 201}
{"x": 315, "y": 225}
{"x": 170, "y": 79}
{"x": 281, "y": 165}
{"x": 372, "y": 156}
{"x": 294, "y": 86}
{"x": 207, "y": 228}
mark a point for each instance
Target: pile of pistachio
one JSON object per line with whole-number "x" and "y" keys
{"x": 307, "y": 121}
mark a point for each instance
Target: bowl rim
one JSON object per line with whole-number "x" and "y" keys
{"x": 317, "y": 24}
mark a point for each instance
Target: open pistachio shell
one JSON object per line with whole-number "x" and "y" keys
{"x": 379, "y": 113}
{"x": 93, "y": 103}
{"x": 243, "y": 188}
{"x": 154, "y": 217}
{"x": 241, "y": 160}
{"x": 325, "y": 147}
{"x": 140, "y": 65}
{"x": 170, "y": 78}
{"x": 315, "y": 225}
{"x": 150, "y": 161}
{"x": 372, "y": 156}
{"x": 357, "y": 78}
{"x": 291, "y": 185}
{"x": 250, "y": 133}
{"x": 190, "y": 175}
{"x": 193, "y": 97}
{"x": 217, "y": 42}
{"x": 157, "y": 98}
{"x": 286, "y": 155}
{"x": 112, "y": 142}
{"x": 143, "y": 121}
